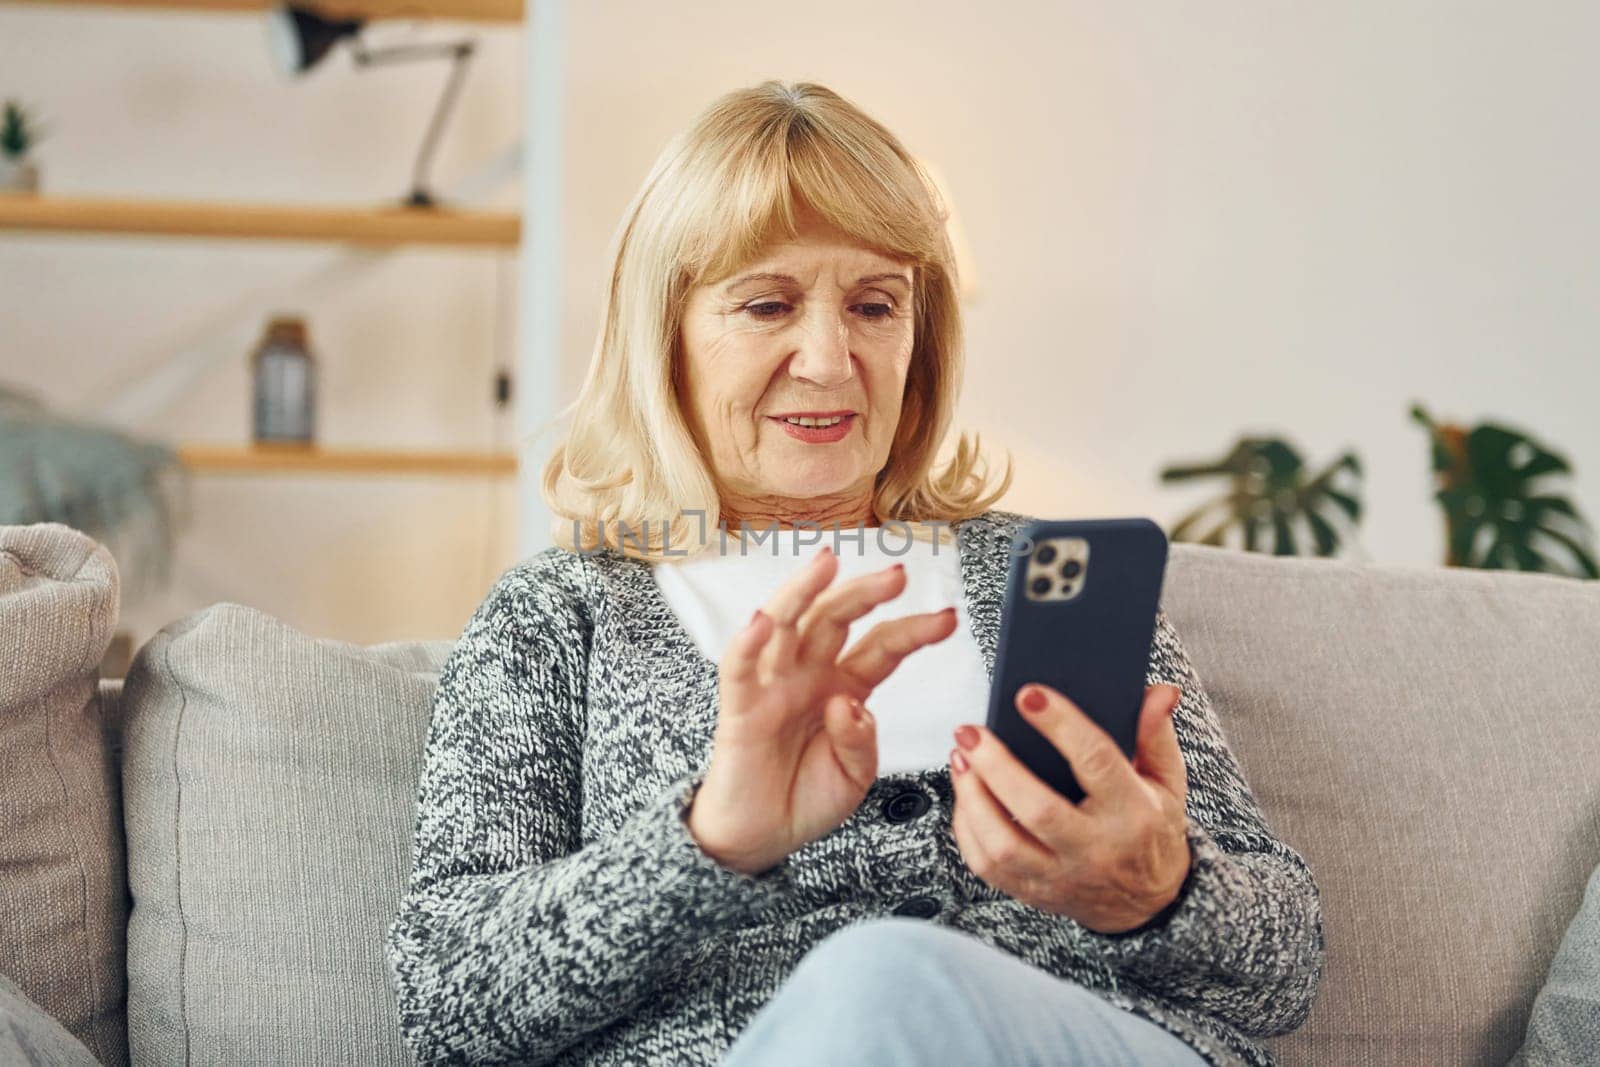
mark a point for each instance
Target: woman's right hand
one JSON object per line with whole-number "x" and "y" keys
{"x": 795, "y": 749}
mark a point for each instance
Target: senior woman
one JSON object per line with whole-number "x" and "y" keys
{"x": 657, "y": 821}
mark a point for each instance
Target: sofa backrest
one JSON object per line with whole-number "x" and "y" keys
{"x": 1429, "y": 739}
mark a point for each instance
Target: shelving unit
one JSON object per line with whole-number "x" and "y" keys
{"x": 371, "y": 226}
{"x": 467, "y": 10}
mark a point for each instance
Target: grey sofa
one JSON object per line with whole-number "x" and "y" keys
{"x": 197, "y": 865}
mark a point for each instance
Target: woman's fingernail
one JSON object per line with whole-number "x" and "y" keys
{"x": 899, "y": 566}
{"x": 966, "y": 737}
{"x": 958, "y": 762}
{"x": 1032, "y": 698}
{"x": 754, "y": 615}
{"x": 858, "y": 709}
{"x": 948, "y": 611}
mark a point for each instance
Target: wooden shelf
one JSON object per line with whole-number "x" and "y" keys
{"x": 312, "y": 459}
{"x": 176, "y": 218}
{"x": 468, "y": 10}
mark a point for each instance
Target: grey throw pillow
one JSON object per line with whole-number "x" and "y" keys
{"x": 1564, "y": 1030}
{"x": 29, "y": 1037}
{"x": 270, "y": 785}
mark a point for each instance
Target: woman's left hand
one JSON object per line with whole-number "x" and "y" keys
{"x": 1113, "y": 860}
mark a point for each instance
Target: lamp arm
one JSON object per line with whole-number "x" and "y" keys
{"x": 402, "y": 52}
{"x": 458, "y": 71}
{"x": 460, "y": 52}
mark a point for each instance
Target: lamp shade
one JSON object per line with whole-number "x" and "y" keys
{"x": 299, "y": 37}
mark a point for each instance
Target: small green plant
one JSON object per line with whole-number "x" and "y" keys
{"x": 1269, "y": 491}
{"x": 1499, "y": 513}
{"x": 19, "y": 130}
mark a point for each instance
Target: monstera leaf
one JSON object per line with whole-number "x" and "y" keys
{"x": 1269, "y": 490}
{"x": 1498, "y": 513}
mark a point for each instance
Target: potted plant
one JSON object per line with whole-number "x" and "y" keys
{"x": 1500, "y": 510}
{"x": 19, "y": 132}
{"x": 1271, "y": 492}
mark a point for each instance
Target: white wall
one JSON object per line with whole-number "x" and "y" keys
{"x": 157, "y": 104}
{"x": 1192, "y": 220}
{"x": 1189, "y": 221}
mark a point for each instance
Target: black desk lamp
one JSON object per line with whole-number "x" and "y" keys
{"x": 300, "y": 38}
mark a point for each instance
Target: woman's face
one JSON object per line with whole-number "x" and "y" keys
{"x": 818, "y": 327}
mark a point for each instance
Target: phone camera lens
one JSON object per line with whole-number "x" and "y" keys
{"x": 1041, "y": 585}
{"x": 1071, "y": 568}
{"x": 1046, "y": 554}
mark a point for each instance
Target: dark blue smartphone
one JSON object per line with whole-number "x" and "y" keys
{"x": 1080, "y": 615}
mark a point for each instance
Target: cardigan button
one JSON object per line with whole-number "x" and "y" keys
{"x": 903, "y": 807}
{"x": 919, "y": 908}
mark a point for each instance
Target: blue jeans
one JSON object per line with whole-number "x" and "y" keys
{"x": 901, "y": 992}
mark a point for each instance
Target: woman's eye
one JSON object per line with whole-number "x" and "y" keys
{"x": 772, "y": 309}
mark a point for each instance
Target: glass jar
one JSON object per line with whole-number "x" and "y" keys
{"x": 284, "y": 377}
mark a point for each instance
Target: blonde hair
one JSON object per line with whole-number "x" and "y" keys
{"x": 718, "y": 192}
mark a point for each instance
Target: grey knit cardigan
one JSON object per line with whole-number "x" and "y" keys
{"x": 559, "y": 912}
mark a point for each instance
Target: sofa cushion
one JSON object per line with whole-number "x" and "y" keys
{"x": 270, "y": 784}
{"x": 1428, "y": 739}
{"x": 63, "y": 894}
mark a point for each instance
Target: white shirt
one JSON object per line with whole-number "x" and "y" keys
{"x": 932, "y": 691}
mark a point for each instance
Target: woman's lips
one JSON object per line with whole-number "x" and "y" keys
{"x": 817, "y": 435}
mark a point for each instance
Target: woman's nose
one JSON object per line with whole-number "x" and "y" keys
{"x": 823, "y": 357}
